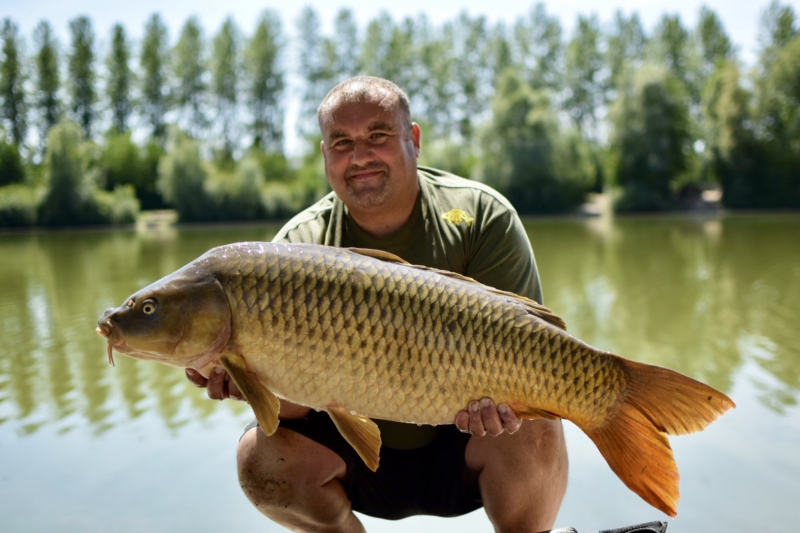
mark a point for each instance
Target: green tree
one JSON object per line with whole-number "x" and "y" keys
{"x": 737, "y": 158}
{"x": 671, "y": 47}
{"x": 472, "y": 68}
{"x": 182, "y": 180}
{"x": 225, "y": 85}
{"x": 715, "y": 46}
{"x": 526, "y": 157}
{"x": 625, "y": 51}
{"x": 779, "y": 114}
{"x": 583, "y": 64}
{"x": 68, "y": 201}
{"x": 12, "y": 78}
{"x": 83, "y": 94}
{"x": 439, "y": 91}
{"x": 48, "y": 79}
{"x": 348, "y": 46}
{"x": 264, "y": 79}
{"x": 777, "y": 28}
{"x": 651, "y": 140}
{"x": 389, "y": 51}
{"x": 188, "y": 72}
{"x": 12, "y": 170}
{"x": 153, "y": 60}
{"x": 120, "y": 78}
{"x": 313, "y": 69}
{"x": 538, "y": 48}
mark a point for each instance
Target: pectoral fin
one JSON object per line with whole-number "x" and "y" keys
{"x": 362, "y": 434}
{"x": 265, "y": 405}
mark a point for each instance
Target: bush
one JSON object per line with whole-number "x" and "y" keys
{"x": 11, "y": 168}
{"x": 182, "y": 178}
{"x": 71, "y": 198}
{"x": 118, "y": 207}
{"x": 17, "y": 206}
{"x": 527, "y": 157}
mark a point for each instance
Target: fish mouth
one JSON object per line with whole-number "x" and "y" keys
{"x": 106, "y": 330}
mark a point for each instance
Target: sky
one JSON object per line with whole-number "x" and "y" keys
{"x": 740, "y": 17}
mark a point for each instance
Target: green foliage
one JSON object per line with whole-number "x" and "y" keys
{"x": 583, "y": 65}
{"x": 651, "y": 140}
{"x": 122, "y": 163}
{"x": 265, "y": 83}
{"x": 17, "y": 206}
{"x": 82, "y": 74}
{"x": 527, "y": 158}
{"x": 12, "y": 170}
{"x": 120, "y": 79}
{"x": 13, "y": 107}
{"x": 188, "y": 71}
{"x": 154, "y": 90}
{"x": 225, "y": 74}
{"x": 182, "y": 177}
{"x": 780, "y": 112}
{"x": 737, "y": 158}
{"x": 48, "y": 80}
{"x": 70, "y": 197}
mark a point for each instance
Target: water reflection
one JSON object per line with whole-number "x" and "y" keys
{"x": 701, "y": 296}
{"x": 52, "y": 364}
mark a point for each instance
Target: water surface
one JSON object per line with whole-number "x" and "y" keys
{"x": 84, "y": 447}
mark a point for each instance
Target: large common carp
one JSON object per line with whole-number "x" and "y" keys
{"x": 361, "y": 333}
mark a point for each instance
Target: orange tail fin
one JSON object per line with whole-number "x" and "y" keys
{"x": 633, "y": 439}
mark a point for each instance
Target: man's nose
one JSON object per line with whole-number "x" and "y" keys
{"x": 362, "y": 152}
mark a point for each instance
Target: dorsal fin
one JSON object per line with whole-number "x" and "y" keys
{"x": 380, "y": 254}
{"x": 532, "y": 307}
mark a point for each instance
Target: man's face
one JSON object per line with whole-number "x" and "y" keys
{"x": 370, "y": 155}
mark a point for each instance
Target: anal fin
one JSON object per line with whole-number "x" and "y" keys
{"x": 264, "y": 403}
{"x": 361, "y": 432}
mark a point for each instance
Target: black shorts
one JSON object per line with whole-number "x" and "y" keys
{"x": 431, "y": 480}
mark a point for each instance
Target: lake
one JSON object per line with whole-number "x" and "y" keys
{"x": 85, "y": 447}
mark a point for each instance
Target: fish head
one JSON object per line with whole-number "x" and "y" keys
{"x": 182, "y": 320}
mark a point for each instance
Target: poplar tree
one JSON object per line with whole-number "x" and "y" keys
{"x": 189, "y": 74}
{"x": 715, "y": 47}
{"x": 12, "y": 93}
{"x": 120, "y": 79}
{"x": 583, "y": 65}
{"x": 625, "y": 51}
{"x": 265, "y": 83}
{"x": 312, "y": 69}
{"x": 348, "y": 46}
{"x": 154, "y": 90}
{"x": 225, "y": 83}
{"x": 538, "y": 49}
{"x": 83, "y": 94}
{"x": 47, "y": 80}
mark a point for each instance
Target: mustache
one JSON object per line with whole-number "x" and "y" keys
{"x": 352, "y": 169}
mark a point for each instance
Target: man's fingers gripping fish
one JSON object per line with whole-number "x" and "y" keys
{"x": 361, "y": 334}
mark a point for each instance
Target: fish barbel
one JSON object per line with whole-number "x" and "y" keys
{"x": 362, "y": 334}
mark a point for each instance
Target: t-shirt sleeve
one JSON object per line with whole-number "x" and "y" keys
{"x": 503, "y": 257}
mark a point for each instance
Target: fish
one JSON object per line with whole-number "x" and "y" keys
{"x": 363, "y": 335}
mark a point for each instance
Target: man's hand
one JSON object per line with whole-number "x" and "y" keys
{"x": 482, "y": 417}
{"x": 218, "y": 385}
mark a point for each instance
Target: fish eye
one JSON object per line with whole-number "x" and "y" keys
{"x": 149, "y": 307}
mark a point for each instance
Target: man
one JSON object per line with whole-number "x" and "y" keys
{"x": 305, "y": 476}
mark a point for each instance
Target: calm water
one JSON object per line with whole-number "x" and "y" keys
{"x": 84, "y": 447}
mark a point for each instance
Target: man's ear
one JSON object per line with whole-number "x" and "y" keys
{"x": 416, "y": 136}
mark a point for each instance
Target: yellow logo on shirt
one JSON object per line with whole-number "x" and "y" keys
{"x": 457, "y": 216}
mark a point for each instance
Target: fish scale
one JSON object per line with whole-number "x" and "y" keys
{"x": 360, "y": 333}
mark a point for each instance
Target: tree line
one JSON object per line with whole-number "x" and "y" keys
{"x": 92, "y": 134}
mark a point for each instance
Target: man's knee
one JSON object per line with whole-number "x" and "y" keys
{"x": 292, "y": 479}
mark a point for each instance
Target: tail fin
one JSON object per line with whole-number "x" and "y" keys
{"x": 633, "y": 439}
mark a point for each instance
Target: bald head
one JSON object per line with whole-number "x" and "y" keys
{"x": 365, "y": 89}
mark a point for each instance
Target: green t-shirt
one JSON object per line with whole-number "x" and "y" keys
{"x": 457, "y": 225}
